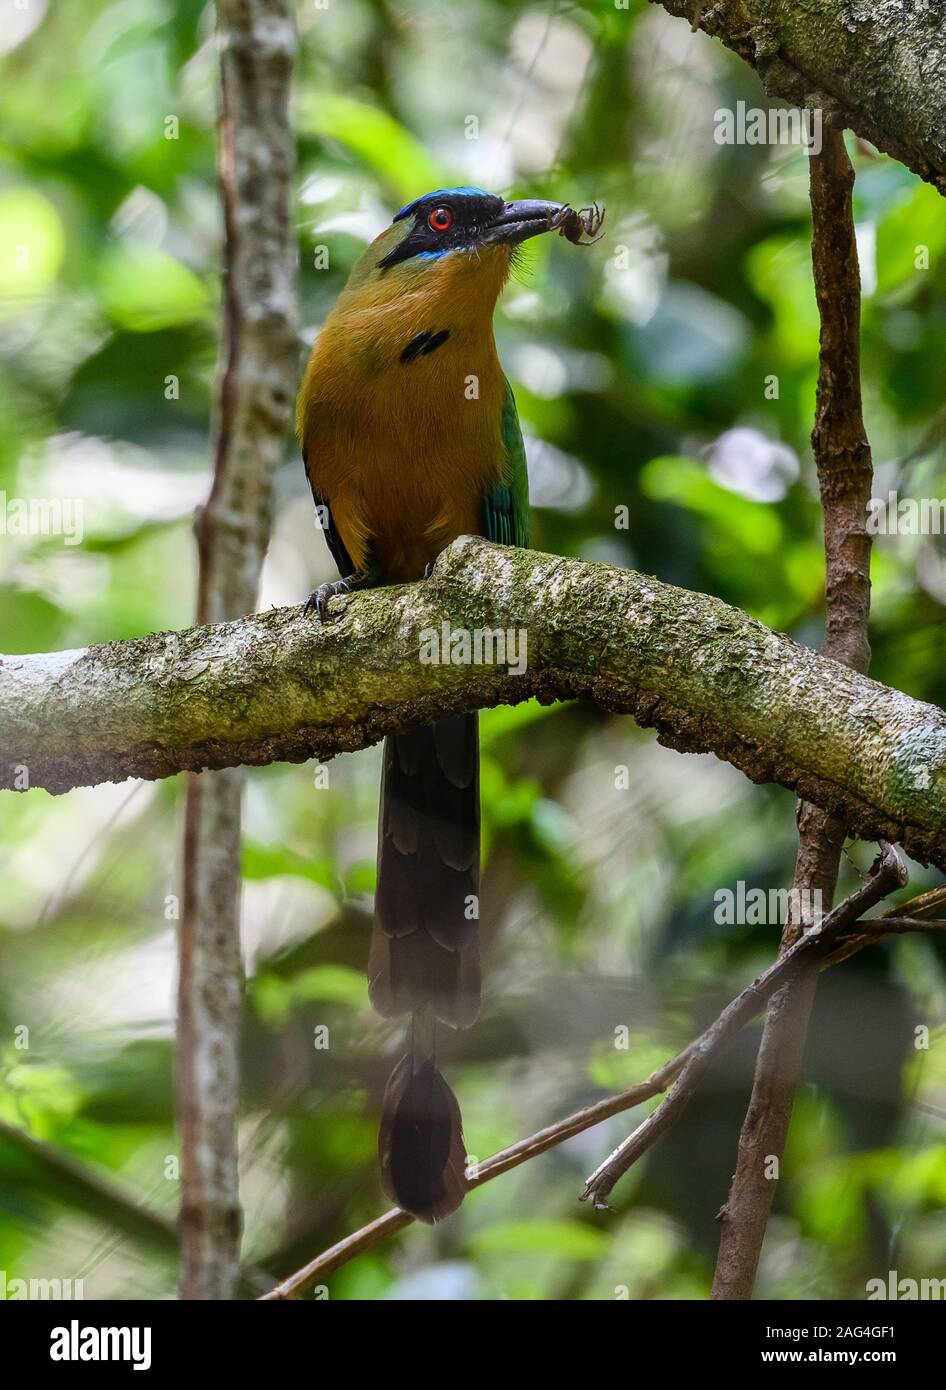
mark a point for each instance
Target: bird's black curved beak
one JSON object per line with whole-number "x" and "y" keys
{"x": 520, "y": 220}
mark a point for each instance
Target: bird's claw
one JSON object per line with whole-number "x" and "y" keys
{"x": 317, "y": 602}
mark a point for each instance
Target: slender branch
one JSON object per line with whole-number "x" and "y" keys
{"x": 329, "y": 1260}
{"x": 912, "y": 916}
{"x": 863, "y": 932}
{"x": 502, "y": 1162}
{"x": 886, "y": 874}
{"x": 845, "y": 476}
{"x": 257, "y": 370}
{"x": 891, "y": 926}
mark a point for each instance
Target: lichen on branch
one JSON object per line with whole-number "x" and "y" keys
{"x": 877, "y": 67}
{"x": 280, "y": 687}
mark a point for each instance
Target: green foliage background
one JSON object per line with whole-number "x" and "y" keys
{"x": 641, "y": 368}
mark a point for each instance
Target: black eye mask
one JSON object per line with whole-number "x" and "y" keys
{"x": 472, "y": 210}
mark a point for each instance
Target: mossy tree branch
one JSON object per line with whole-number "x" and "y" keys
{"x": 875, "y": 66}
{"x": 280, "y": 687}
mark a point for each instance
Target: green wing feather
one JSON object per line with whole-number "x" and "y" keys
{"x": 506, "y": 504}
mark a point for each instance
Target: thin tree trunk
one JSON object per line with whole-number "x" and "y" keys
{"x": 845, "y": 475}
{"x": 257, "y": 370}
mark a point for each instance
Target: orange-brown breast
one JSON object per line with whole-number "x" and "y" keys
{"x": 403, "y": 451}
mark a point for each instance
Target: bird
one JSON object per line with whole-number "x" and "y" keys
{"x": 410, "y": 437}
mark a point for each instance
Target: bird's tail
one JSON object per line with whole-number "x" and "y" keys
{"x": 425, "y": 950}
{"x": 420, "y": 1144}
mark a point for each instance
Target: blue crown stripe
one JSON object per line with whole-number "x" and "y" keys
{"x": 463, "y": 191}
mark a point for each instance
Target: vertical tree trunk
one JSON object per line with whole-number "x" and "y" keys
{"x": 845, "y": 475}
{"x": 256, "y": 377}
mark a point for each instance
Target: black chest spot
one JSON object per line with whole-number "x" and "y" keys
{"x": 423, "y": 343}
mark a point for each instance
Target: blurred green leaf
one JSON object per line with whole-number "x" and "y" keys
{"x": 144, "y": 289}
{"x": 270, "y": 861}
{"x": 754, "y": 526}
{"x": 376, "y": 137}
{"x": 912, "y": 232}
{"x": 567, "y": 1239}
{"x": 32, "y": 247}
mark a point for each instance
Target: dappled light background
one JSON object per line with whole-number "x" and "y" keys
{"x": 644, "y": 369}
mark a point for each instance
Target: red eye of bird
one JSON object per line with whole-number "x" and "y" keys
{"x": 440, "y": 220}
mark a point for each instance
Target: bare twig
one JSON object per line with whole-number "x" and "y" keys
{"x": 915, "y": 915}
{"x": 506, "y": 1159}
{"x": 329, "y": 1260}
{"x": 886, "y": 874}
{"x": 845, "y": 475}
{"x": 896, "y": 926}
{"x": 493, "y": 1167}
{"x": 256, "y": 375}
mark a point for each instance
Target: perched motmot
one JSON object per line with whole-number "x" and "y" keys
{"x": 410, "y": 438}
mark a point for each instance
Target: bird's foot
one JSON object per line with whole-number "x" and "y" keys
{"x": 317, "y": 601}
